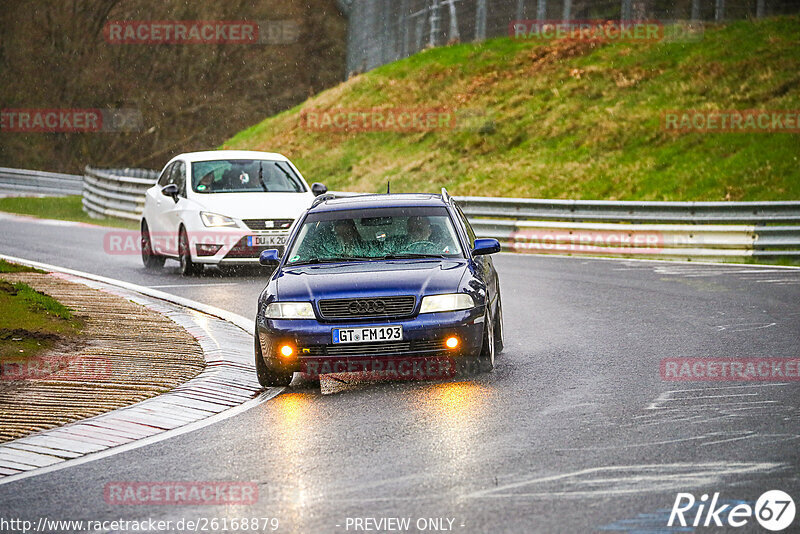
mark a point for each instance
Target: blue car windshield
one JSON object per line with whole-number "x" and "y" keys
{"x": 371, "y": 234}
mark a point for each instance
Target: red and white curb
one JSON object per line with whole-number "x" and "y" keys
{"x": 226, "y": 387}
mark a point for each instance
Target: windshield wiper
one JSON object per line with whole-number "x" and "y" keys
{"x": 407, "y": 255}
{"x": 261, "y": 176}
{"x": 329, "y": 260}
{"x": 292, "y": 179}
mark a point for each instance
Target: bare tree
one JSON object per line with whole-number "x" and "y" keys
{"x": 190, "y": 97}
{"x": 454, "y": 34}
{"x": 480, "y": 20}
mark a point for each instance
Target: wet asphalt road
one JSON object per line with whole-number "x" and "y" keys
{"x": 574, "y": 431}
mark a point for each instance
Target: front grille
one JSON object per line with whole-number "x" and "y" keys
{"x": 377, "y": 349}
{"x": 368, "y": 349}
{"x": 241, "y": 250}
{"x": 368, "y": 307}
{"x": 268, "y": 224}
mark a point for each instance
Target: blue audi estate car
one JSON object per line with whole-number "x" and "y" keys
{"x": 389, "y": 284}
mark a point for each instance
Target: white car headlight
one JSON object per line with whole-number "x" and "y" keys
{"x": 289, "y": 310}
{"x": 215, "y": 219}
{"x": 449, "y": 302}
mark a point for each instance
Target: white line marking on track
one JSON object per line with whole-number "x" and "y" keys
{"x": 195, "y": 285}
{"x": 713, "y": 396}
{"x": 743, "y": 327}
{"x": 640, "y": 478}
{"x": 751, "y": 435}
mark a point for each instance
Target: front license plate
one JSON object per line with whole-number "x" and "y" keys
{"x": 368, "y": 334}
{"x": 265, "y": 240}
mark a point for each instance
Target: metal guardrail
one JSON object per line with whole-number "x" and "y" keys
{"x": 633, "y": 212}
{"x": 116, "y": 192}
{"x": 24, "y": 181}
{"x": 718, "y": 242}
{"x": 712, "y": 231}
{"x": 708, "y": 231}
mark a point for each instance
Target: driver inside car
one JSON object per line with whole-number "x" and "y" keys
{"x": 420, "y": 230}
{"x": 206, "y": 182}
{"x": 347, "y": 236}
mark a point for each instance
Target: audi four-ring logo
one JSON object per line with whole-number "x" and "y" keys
{"x": 358, "y": 307}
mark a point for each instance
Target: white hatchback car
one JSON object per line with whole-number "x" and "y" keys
{"x": 222, "y": 207}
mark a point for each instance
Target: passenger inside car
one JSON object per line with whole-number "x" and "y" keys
{"x": 235, "y": 179}
{"x": 348, "y": 237}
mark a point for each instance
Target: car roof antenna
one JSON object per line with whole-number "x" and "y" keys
{"x": 388, "y": 187}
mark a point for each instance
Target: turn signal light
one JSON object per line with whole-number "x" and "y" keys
{"x": 452, "y": 342}
{"x": 287, "y": 351}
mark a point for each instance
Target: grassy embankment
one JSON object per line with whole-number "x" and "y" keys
{"x": 574, "y": 120}
{"x": 30, "y": 322}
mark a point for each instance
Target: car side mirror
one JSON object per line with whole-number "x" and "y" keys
{"x": 485, "y": 246}
{"x": 269, "y": 258}
{"x": 318, "y": 189}
{"x": 170, "y": 190}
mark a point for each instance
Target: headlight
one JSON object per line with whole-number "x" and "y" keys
{"x": 450, "y": 302}
{"x": 215, "y": 219}
{"x": 289, "y": 310}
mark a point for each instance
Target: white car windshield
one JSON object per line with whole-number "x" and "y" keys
{"x": 375, "y": 234}
{"x": 245, "y": 176}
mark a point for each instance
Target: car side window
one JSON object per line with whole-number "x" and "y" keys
{"x": 165, "y": 175}
{"x": 178, "y": 177}
{"x": 470, "y": 232}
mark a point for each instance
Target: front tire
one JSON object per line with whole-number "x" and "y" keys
{"x": 486, "y": 357}
{"x": 499, "y": 343}
{"x": 150, "y": 259}
{"x": 484, "y": 361}
{"x": 188, "y": 267}
{"x": 266, "y": 376}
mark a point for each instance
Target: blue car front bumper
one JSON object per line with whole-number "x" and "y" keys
{"x": 423, "y": 338}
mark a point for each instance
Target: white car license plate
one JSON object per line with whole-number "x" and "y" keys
{"x": 368, "y": 334}
{"x": 265, "y": 240}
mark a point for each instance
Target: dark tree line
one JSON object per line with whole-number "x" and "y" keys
{"x": 53, "y": 54}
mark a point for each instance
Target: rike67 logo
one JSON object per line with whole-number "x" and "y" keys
{"x": 774, "y": 511}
